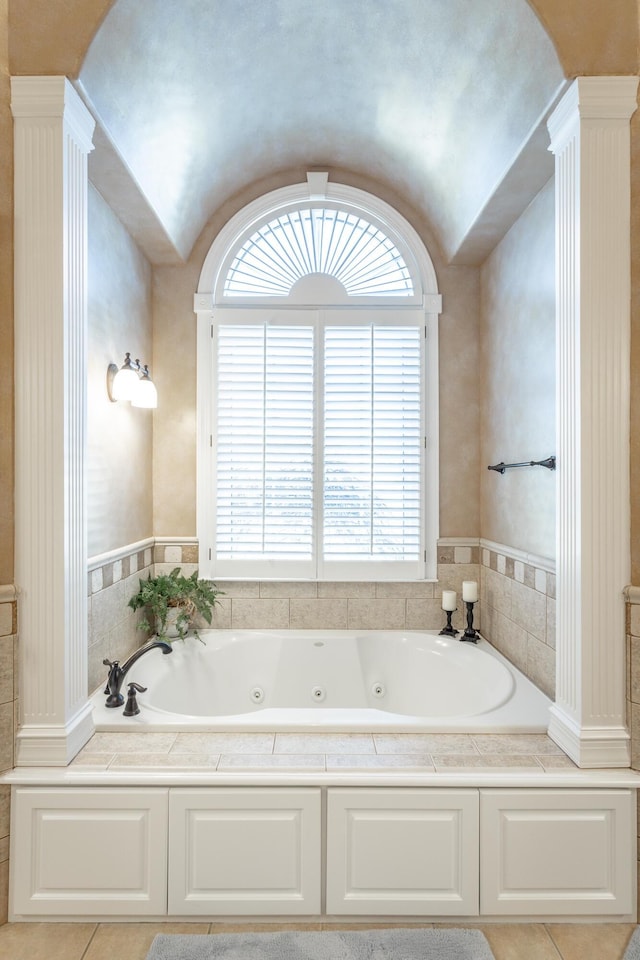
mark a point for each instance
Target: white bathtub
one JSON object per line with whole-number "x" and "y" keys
{"x": 333, "y": 680}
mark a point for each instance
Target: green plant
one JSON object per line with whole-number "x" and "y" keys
{"x": 188, "y": 595}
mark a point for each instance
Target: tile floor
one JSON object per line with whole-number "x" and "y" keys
{"x": 328, "y": 752}
{"x": 131, "y": 941}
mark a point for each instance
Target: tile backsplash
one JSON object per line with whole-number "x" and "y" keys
{"x": 517, "y": 594}
{"x": 516, "y": 611}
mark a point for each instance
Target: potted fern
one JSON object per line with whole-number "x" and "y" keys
{"x": 171, "y": 602}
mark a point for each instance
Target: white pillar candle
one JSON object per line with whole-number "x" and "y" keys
{"x": 470, "y": 591}
{"x": 449, "y": 600}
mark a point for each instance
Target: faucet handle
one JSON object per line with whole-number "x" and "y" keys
{"x": 109, "y": 663}
{"x": 131, "y": 707}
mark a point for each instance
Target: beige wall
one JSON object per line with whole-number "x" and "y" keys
{"x": 6, "y": 310}
{"x": 45, "y": 37}
{"x": 174, "y": 450}
{"x": 518, "y": 389}
{"x": 119, "y": 454}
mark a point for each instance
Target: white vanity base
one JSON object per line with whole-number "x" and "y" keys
{"x": 214, "y": 846}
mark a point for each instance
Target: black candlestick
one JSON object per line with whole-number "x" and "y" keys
{"x": 470, "y": 633}
{"x": 449, "y": 631}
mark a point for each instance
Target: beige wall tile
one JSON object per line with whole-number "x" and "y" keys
{"x": 551, "y": 622}
{"x": 5, "y": 809}
{"x": 4, "y": 907}
{"x": 239, "y": 588}
{"x": 634, "y": 669}
{"x": 221, "y": 614}
{"x": 6, "y": 619}
{"x": 376, "y": 614}
{"x": 496, "y": 590}
{"x": 541, "y": 665}
{"x": 286, "y": 589}
{"x": 6, "y": 669}
{"x": 529, "y": 609}
{"x": 318, "y": 614}
{"x": 259, "y": 614}
{"x": 428, "y": 615}
{"x": 450, "y": 577}
{"x": 418, "y": 590}
{"x": 634, "y": 616}
{"x": 350, "y": 589}
{"x": 6, "y": 735}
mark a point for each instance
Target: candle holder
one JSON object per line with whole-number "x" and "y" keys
{"x": 449, "y": 631}
{"x": 470, "y": 633}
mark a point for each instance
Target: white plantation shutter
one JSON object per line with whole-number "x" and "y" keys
{"x": 318, "y": 445}
{"x": 264, "y": 446}
{"x": 372, "y": 443}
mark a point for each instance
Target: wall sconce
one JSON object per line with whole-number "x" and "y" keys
{"x": 131, "y": 382}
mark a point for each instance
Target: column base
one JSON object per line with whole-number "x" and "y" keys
{"x": 590, "y": 747}
{"x": 53, "y": 745}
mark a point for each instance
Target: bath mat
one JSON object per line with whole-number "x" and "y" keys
{"x": 633, "y": 947}
{"x": 394, "y": 944}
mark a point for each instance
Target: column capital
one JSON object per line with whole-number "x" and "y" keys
{"x": 46, "y": 98}
{"x": 592, "y": 98}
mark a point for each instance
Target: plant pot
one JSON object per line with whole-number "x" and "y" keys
{"x": 171, "y": 628}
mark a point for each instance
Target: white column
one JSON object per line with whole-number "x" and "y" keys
{"x": 590, "y": 138}
{"x": 52, "y": 138}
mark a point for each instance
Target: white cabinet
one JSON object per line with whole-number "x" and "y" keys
{"x": 552, "y": 852}
{"x": 89, "y": 851}
{"x": 104, "y": 851}
{"x": 245, "y": 851}
{"x": 402, "y": 852}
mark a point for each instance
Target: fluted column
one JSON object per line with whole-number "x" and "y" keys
{"x": 52, "y": 138}
{"x": 590, "y": 138}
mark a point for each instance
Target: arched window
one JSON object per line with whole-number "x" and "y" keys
{"x": 317, "y": 393}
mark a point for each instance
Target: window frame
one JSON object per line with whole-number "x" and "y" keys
{"x": 209, "y": 302}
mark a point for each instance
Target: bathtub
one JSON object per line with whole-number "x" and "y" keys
{"x": 329, "y": 680}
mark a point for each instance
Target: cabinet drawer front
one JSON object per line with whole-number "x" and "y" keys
{"x": 402, "y": 852}
{"x": 236, "y": 851}
{"x": 89, "y": 852}
{"x": 557, "y": 852}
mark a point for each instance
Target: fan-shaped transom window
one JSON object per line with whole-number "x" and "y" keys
{"x": 311, "y": 241}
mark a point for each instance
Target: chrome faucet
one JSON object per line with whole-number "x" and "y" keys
{"x": 117, "y": 673}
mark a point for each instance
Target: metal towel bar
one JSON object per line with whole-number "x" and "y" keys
{"x": 549, "y": 463}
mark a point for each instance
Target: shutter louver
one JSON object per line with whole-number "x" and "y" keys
{"x": 372, "y": 443}
{"x": 264, "y": 442}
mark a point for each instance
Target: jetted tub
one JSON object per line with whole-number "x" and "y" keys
{"x": 333, "y": 680}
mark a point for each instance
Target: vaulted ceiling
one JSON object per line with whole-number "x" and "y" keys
{"x": 442, "y": 103}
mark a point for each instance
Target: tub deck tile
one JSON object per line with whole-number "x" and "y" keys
{"x": 488, "y": 761}
{"x": 422, "y": 762}
{"x": 131, "y": 742}
{"x": 210, "y": 743}
{"x": 164, "y": 761}
{"x": 513, "y": 743}
{"x": 433, "y": 743}
{"x": 271, "y": 761}
{"x": 324, "y": 743}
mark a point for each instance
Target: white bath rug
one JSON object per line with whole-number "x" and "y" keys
{"x": 394, "y": 944}
{"x": 633, "y": 947}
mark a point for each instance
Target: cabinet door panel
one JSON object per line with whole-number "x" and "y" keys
{"x": 557, "y": 852}
{"x": 402, "y": 852}
{"x": 89, "y": 852}
{"x": 244, "y": 851}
